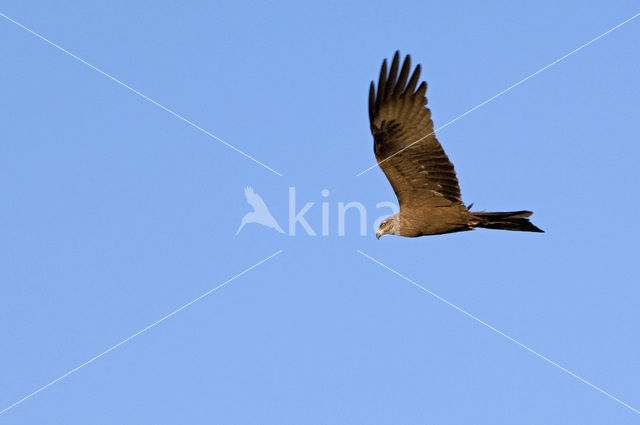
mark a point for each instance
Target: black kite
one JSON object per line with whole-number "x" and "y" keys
{"x": 419, "y": 171}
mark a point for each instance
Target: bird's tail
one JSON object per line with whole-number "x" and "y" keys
{"x": 515, "y": 220}
{"x": 244, "y": 221}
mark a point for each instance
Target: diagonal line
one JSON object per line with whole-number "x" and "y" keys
{"x": 137, "y": 333}
{"x": 500, "y": 332}
{"x": 503, "y": 92}
{"x": 175, "y": 114}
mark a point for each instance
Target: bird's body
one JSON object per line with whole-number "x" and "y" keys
{"x": 433, "y": 221}
{"x": 417, "y": 167}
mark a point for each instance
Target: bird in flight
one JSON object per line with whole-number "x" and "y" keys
{"x": 260, "y": 213}
{"x": 415, "y": 164}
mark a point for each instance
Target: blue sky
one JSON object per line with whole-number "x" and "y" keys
{"x": 116, "y": 213}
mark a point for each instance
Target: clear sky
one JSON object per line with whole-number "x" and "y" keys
{"x": 116, "y": 213}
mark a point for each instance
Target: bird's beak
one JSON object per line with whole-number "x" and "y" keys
{"x": 378, "y": 234}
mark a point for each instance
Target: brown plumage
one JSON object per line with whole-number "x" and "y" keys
{"x": 419, "y": 171}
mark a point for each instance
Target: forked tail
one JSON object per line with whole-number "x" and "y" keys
{"x": 515, "y": 220}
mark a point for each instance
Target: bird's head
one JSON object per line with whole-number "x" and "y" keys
{"x": 389, "y": 226}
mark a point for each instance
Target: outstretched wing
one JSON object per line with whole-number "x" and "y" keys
{"x": 255, "y": 200}
{"x": 405, "y": 145}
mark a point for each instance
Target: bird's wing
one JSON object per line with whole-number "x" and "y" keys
{"x": 255, "y": 200}
{"x": 420, "y": 173}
